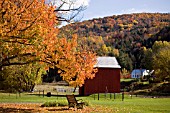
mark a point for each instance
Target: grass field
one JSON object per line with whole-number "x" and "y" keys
{"x": 103, "y": 105}
{"x": 136, "y": 105}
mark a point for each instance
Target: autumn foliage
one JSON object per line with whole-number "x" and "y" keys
{"x": 28, "y": 34}
{"x": 74, "y": 64}
{"x": 26, "y": 29}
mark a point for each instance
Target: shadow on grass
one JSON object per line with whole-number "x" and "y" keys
{"x": 61, "y": 109}
{"x": 14, "y": 110}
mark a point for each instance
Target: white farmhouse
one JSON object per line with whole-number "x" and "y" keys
{"x": 138, "y": 73}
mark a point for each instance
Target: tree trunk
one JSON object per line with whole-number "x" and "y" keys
{"x": 74, "y": 89}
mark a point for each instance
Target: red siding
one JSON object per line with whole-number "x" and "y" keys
{"x": 106, "y": 79}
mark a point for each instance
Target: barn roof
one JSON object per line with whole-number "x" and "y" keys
{"x": 107, "y": 62}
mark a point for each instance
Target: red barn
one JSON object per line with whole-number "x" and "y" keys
{"x": 106, "y": 80}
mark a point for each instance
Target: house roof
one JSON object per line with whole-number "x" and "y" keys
{"x": 107, "y": 62}
{"x": 138, "y": 71}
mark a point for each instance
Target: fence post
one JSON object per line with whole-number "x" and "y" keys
{"x": 39, "y": 93}
{"x": 123, "y": 95}
{"x": 114, "y": 96}
{"x": 98, "y": 96}
{"x": 110, "y": 95}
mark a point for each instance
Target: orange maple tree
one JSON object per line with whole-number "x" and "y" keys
{"x": 28, "y": 33}
{"x": 75, "y": 64}
{"x": 27, "y": 28}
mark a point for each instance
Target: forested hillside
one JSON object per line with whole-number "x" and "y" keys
{"x": 123, "y": 36}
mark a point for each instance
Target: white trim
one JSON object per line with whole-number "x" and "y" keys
{"x": 108, "y": 66}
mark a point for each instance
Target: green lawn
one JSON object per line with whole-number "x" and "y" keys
{"x": 132, "y": 105}
{"x": 127, "y": 80}
{"x": 135, "y": 105}
{"x": 25, "y": 97}
{"x": 106, "y": 105}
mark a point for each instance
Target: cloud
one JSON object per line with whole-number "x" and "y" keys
{"x": 133, "y": 10}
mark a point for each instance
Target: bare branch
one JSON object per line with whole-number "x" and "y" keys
{"x": 71, "y": 10}
{"x": 6, "y": 61}
{"x": 61, "y": 5}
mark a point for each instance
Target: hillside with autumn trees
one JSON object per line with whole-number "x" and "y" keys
{"x": 124, "y": 36}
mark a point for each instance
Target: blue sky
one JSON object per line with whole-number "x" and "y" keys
{"x": 102, "y": 8}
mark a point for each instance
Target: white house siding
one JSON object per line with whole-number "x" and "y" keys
{"x": 137, "y": 73}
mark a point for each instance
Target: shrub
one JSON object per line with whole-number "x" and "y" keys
{"x": 60, "y": 103}
{"x": 50, "y": 104}
{"x": 54, "y": 104}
